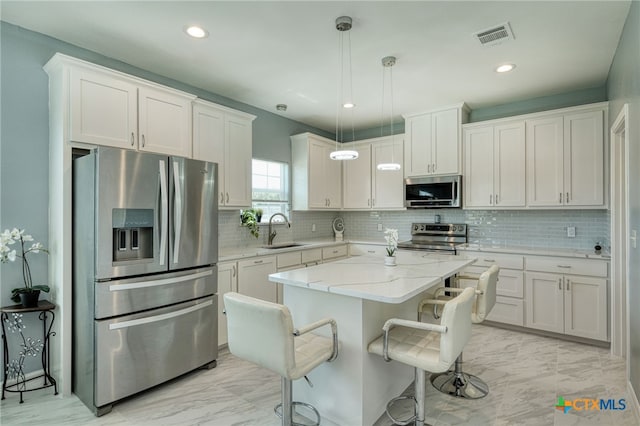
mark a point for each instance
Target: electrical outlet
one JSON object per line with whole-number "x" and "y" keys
{"x": 313, "y": 227}
{"x": 379, "y": 227}
{"x": 571, "y": 231}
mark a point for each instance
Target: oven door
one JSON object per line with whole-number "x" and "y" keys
{"x": 136, "y": 352}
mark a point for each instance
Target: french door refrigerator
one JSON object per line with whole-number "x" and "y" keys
{"x": 145, "y": 249}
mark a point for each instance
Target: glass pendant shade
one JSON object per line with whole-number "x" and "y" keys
{"x": 344, "y": 154}
{"x": 388, "y": 166}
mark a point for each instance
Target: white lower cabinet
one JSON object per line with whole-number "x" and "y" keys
{"x": 509, "y": 307}
{"x": 367, "y": 249}
{"x": 568, "y": 304}
{"x": 334, "y": 253}
{"x": 253, "y": 278}
{"x": 227, "y": 281}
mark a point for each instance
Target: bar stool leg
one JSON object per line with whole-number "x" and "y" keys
{"x": 420, "y": 396}
{"x": 287, "y": 403}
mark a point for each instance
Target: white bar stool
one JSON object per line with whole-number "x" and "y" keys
{"x": 427, "y": 347}
{"x": 262, "y": 332}
{"x": 456, "y": 382}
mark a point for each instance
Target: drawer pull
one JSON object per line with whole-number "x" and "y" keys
{"x": 258, "y": 261}
{"x": 564, "y": 266}
{"x": 371, "y": 251}
{"x": 490, "y": 260}
{"x": 560, "y": 284}
{"x": 568, "y": 285}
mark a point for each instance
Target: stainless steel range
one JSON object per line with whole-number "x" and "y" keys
{"x": 436, "y": 237}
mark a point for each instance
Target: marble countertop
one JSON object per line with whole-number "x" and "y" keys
{"x": 366, "y": 277}
{"x": 543, "y": 251}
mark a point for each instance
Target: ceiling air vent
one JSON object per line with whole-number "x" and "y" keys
{"x": 495, "y": 35}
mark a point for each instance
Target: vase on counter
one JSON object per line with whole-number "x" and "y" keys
{"x": 390, "y": 261}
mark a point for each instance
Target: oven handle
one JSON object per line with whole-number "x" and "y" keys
{"x": 156, "y": 283}
{"x": 161, "y": 317}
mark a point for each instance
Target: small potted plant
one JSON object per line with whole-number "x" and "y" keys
{"x": 249, "y": 219}
{"x": 258, "y": 212}
{"x": 391, "y": 236}
{"x": 28, "y": 294}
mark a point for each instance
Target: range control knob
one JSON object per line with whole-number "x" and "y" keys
{"x": 415, "y": 227}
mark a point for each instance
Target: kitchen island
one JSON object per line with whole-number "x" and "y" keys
{"x": 361, "y": 293}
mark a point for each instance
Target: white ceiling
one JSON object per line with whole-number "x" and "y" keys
{"x": 263, "y": 53}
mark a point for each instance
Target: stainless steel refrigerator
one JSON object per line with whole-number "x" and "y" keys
{"x": 145, "y": 249}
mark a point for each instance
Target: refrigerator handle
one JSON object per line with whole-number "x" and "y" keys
{"x": 164, "y": 211}
{"x": 177, "y": 211}
{"x": 161, "y": 317}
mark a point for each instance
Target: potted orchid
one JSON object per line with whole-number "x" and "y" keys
{"x": 391, "y": 236}
{"x": 28, "y": 294}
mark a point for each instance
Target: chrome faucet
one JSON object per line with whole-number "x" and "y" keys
{"x": 272, "y": 234}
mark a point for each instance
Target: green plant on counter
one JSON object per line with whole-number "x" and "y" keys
{"x": 258, "y": 212}
{"x": 249, "y": 219}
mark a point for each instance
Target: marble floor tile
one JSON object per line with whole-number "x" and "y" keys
{"x": 526, "y": 374}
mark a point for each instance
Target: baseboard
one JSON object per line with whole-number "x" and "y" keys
{"x": 635, "y": 406}
{"x": 576, "y": 339}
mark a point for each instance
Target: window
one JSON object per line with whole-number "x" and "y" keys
{"x": 270, "y": 187}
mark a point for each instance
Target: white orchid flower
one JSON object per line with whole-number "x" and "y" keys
{"x": 27, "y": 237}
{"x": 15, "y": 233}
{"x": 36, "y": 247}
{"x": 11, "y": 256}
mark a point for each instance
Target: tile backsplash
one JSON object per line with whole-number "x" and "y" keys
{"x": 525, "y": 228}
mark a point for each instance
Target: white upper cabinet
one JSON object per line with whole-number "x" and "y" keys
{"x": 495, "y": 166}
{"x": 164, "y": 122}
{"x": 110, "y": 108}
{"x": 103, "y": 109}
{"x": 565, "y": 160}
{"x": 224, "y": 136}
{"x": 317, "y": 179}
{"x": 432, "y": 145}
{"x": 366, "y": 187}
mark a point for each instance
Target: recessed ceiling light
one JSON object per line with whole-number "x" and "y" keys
{"x": 196, "y": 32}
{"x": 348, "y": 105}
{"x": 505, "y": 68}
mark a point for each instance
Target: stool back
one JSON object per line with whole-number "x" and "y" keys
{"x": 260, "y": 332}
{"x": 456, "y": 316}
{"x": 485, "y": 301}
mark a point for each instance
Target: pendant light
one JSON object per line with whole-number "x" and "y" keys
{"x": 343, "y": 25}
{"x": 387, "y": 63}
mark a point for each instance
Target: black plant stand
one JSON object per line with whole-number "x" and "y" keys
{"x": 29, "y": 347}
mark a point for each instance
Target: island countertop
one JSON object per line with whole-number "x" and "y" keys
{"x": 367, "y": 277}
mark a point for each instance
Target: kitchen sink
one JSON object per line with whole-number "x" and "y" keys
{"x": 282, "y": 245}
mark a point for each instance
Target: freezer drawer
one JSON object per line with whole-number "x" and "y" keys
{"x": 120, "y": 297}
{"x": 136, "y": 352}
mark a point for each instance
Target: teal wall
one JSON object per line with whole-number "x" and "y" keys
{"x": 623, "y": 87}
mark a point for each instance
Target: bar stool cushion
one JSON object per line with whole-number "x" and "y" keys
{"x": 262, "y": 332}
{"x": 431, "y": 350}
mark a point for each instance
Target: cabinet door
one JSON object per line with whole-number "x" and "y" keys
{"x": 478, "y": 178}
{"x": 164, "y": 121}
{"x": 104, "y": 109}
{"x": 208, "y": 141}
{"x": 318, "y": 156}
{"x": 253, "y": 278}
{"x": 584, "y": 159}
{"x": 417, "y": 155}
{"x": 585, "y": 307}
{"x": 387, "y": 186}
{"x": 445, "y": 143}
{"x": 509, "y": 166}
{"x": 238, "y": 150}
{"x": 357, "y": 179}
{"x": 544, "y": 302}
{"x": 333, "y": 180}
{"x": 227, "y": 281}
{"x": 545, "y": 164}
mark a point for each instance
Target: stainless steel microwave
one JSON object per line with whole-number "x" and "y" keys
{"x": 433, "y": 192}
